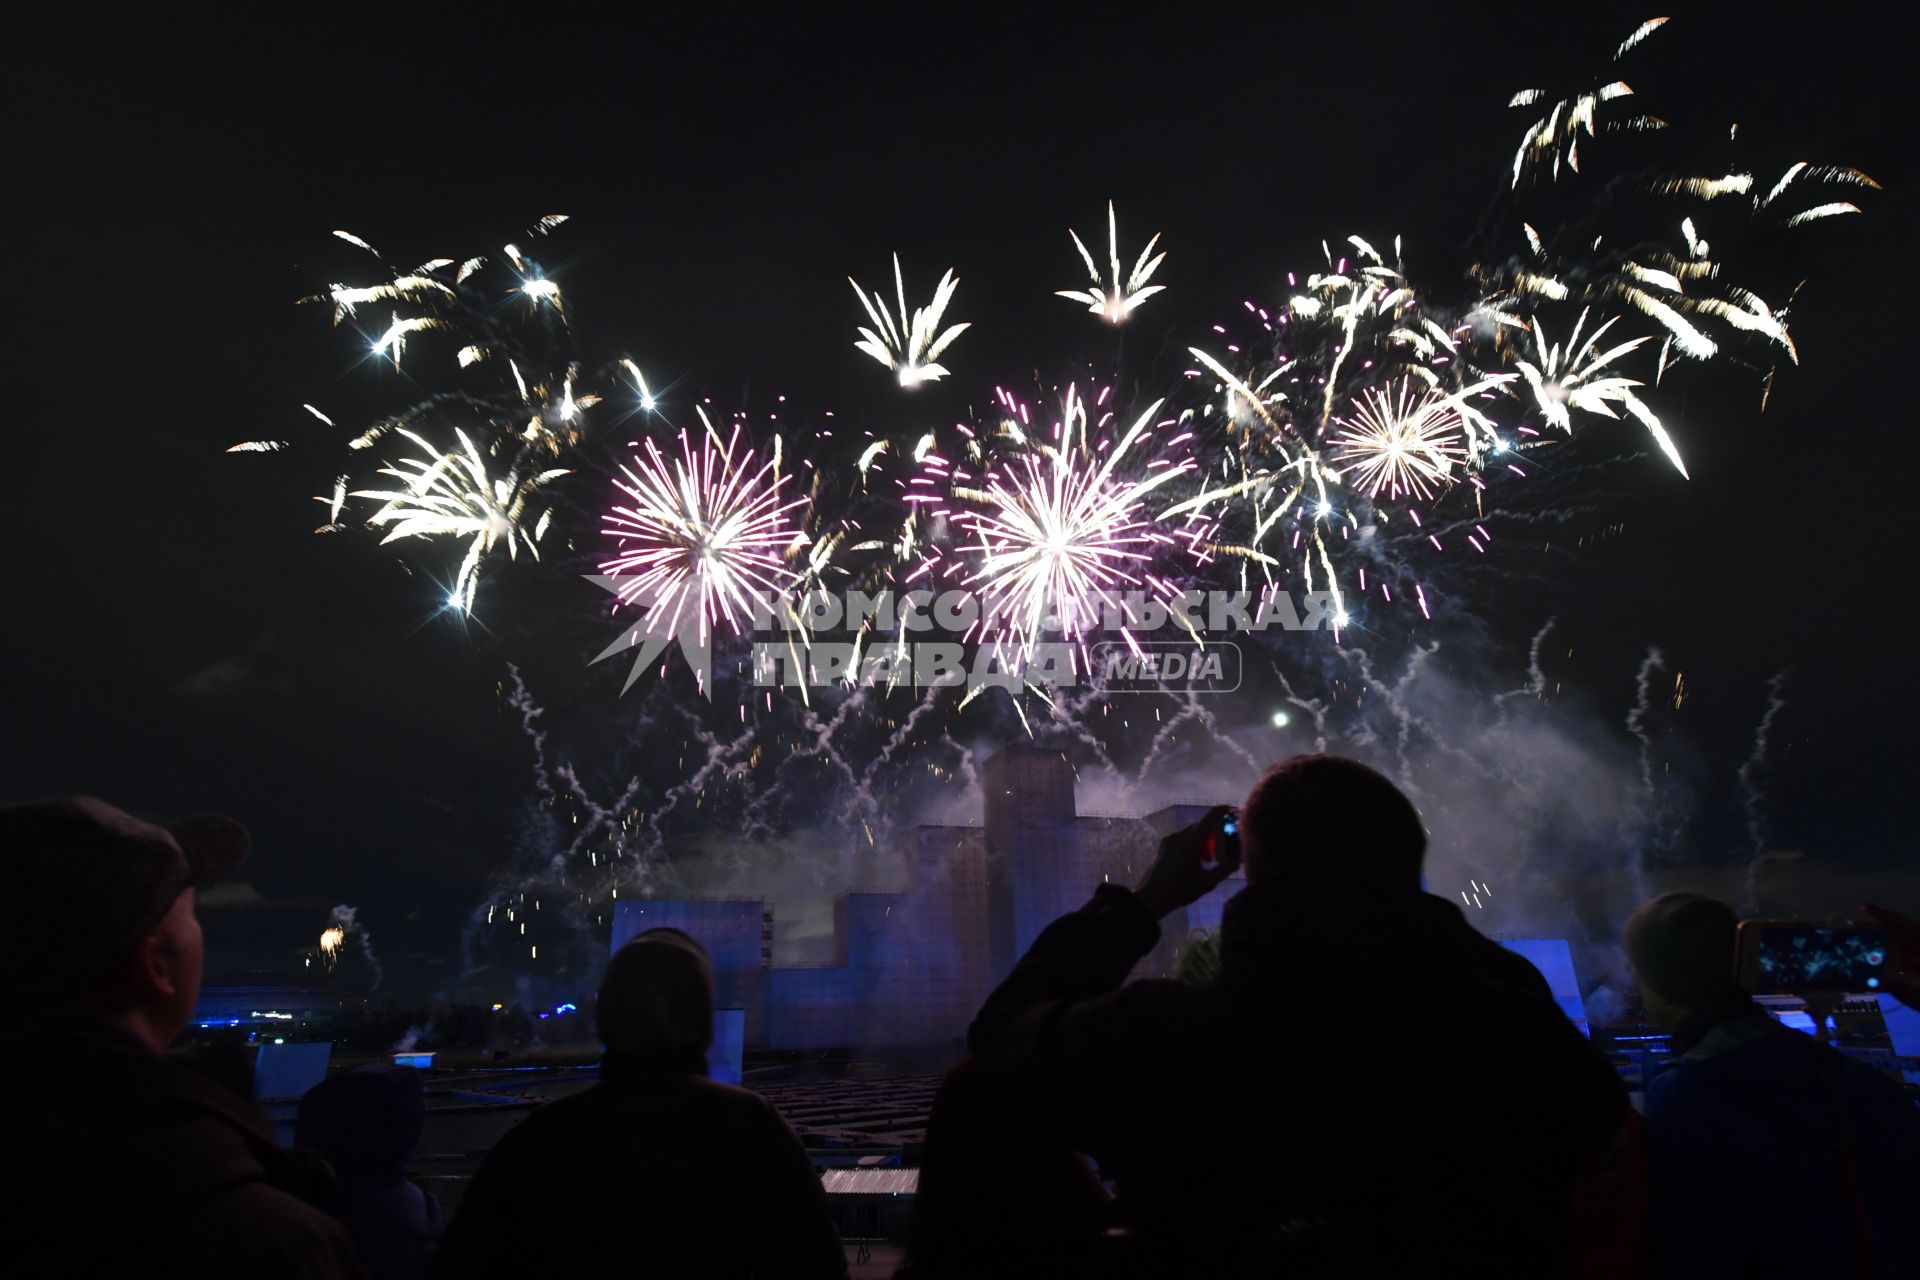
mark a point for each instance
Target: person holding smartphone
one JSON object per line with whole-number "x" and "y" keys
{"x": 1771, "y": 1153}
{"x": 1365, "y": 1086}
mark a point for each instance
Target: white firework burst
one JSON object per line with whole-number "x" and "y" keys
{"x": 1114, "y": 302}
{"x": 1400, "y": 441}
{"x": 1574, "y": 376}
{"x": 451, "y": 495}
{"x": 1555, "y": 137}
{"x": 1060, "y": 531}
{"x": 912, "y": 346}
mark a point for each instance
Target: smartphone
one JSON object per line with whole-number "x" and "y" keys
{"x": 1222, "y": 845}
{"x": 1785, "y": 956}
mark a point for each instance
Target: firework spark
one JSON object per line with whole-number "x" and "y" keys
{"x": 648, "y": 401}
{"x": 704, "y": 531}
{"x": 1298, "y": 478}
{"x": 1060, "y": 529}
{"x": 1565, "y": 378}
{"x": 540, "y": 289}
{"x": 344, "y": 922}
{"x": 1116, "y": 302}
{"x": 1362, "y": 388}
{"x": 1555, "y": 137}
{"x": 911, "y": 347}
{"x": 452, "y": 495}
{"x": 1400, "y": 442}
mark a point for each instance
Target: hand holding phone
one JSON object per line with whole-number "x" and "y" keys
{"x": 1794, "y": 957}
{"x": 1191, "y": 862}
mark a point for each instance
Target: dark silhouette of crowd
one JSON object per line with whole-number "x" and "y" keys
{"x": 689, "y": 1176}
{"x": 1346, "y": 1079}
{"x": 366, "y": 1123}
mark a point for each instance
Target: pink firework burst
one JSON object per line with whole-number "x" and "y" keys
{"x": 1058, "y": 533}
{"x": 701, "y": 531}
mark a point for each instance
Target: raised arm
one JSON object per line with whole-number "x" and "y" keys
{"x": 1064, "y": 1027}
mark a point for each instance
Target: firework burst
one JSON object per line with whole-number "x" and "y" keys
{"x": 1115, "y": 302}
{"x": 453, "y": 495}
{"x": 701, "y": 533}
{"x": 1399, "y": 442}
{"x": 505, "y": 378}
{"x": 1565, "y": 378}
{"x": 911, "y": 347}
{"x": 1680, "y": 287}
{"x": 1360, "y": 390}
{"x": 1365, "y": 421}
{"x": 1059, "y": 527}
{"x": 1554, "y": 139}
{"x": 1369, "y": 393}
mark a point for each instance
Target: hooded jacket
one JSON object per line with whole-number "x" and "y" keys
{"x": 137, "y": 1164}
{"x": 1380, "y": 1090}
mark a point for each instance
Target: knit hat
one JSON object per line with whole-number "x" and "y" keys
{"x": 1682, "y": 948}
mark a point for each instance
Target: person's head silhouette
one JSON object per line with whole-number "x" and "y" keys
{"x": 112, "y": 935}
{"x": 656, "y": 1001}
{"x": 1326, "y": 823}
{"x": 1681, "y": 946}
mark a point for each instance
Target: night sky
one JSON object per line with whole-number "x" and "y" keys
{"x": 177, "y": 639}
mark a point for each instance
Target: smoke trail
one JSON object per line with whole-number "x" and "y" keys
{"x": 721, "y": 757}
{"x": 1406, "y": 720}
{"x": 1536, "y": 686}
{"x": 522, "y": 701}
{"x": 544, "y": 854}
{"x": 1192, "y": 711}
{"x": 1075, "y": 708}
{"x": 1315, "y": 707}
{"x": 1752, "y": 802}
{"x": 1637, "y": 725}
{"x": 822, "y": 747}
{"x": 963, "y": 768}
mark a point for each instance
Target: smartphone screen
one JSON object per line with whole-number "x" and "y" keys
{"x": 1222, "y": 847}
{"x": 1796, "y": 955}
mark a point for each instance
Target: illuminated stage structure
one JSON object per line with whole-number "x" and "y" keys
{"x": 910, "y": 968}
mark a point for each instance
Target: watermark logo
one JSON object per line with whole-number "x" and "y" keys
{"x": 654, "y": 624}
{"x": 928, "y": 639}
{"x": 1163, "y": 666}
